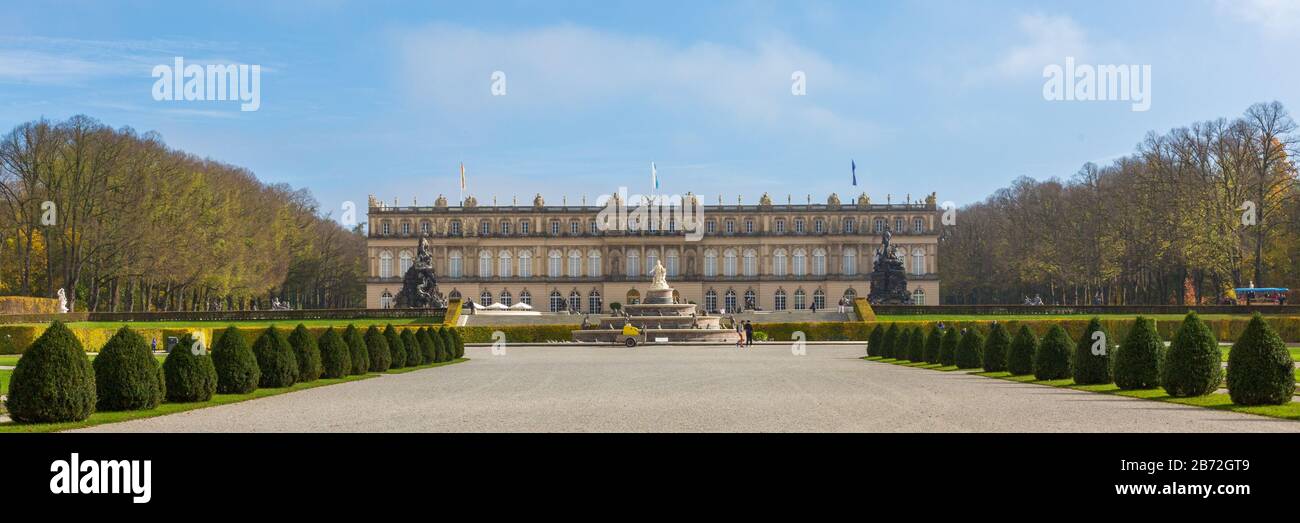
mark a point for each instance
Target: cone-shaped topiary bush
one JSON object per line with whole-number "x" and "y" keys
{"x": 459, "y": 343}
{"x": 889, "y": 341}
{"x": 1052, "y": 362}
{"x": 396, "y": 349}
{"x": 874, "y": 340}
{"x": 1092, "y": 365}
{"x": 237, "y": 370}
{"x": 126, "y": 374}
{"x": 308, "y": 353}
{"x": 427, "y": 349}
{"x": 190, "y": 377}
{"x": 901, "y": 344}
{"x": 970, "y": 352}
{"x": 377, "y": 347}
{"x": 1192, "y": 364}
{"x": 357, "y": 349}
{"x": 1137, "y": 361}
{"x": 276, "y": 359}
{"x": 335, "y": 359}
{"x": 1260, "y": 371}
{"x": 443, "y": 341}
{"x": 932, "y": 344}
{"x": 916, "y": 345}
{"x": 948, "y": 347}
{"x": 414, "y": 356}
{"x": 1020, "y": 360}
{"x": 997, "y": 348}
{"x": 53, "y": 381}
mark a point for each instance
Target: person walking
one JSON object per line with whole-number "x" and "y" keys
{"x": 740, "y": 332}
{"x": 749, "y": 334}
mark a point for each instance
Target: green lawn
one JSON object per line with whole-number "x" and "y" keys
{"x": 360, "y": 322}
{"x": 917, "y": 364}
{"x": 1295, "y": 352}
{"x": 100, "y": 418}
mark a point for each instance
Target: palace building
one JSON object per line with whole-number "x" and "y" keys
{"x": 557, "y": 258}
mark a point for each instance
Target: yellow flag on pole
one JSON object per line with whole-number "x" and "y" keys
{"x": 462, "y": 176}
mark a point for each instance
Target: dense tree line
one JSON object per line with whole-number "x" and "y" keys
{"x": 1192, "y": 214}
{"x": 125, "y": 223}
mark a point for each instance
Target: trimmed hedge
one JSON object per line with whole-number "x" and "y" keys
{"x": 890, "y": 341}
{"x": 1137, "y": 361}
{"x": 996, "y": 349}
{"x": 932, "y": 344}
{"x": 377, "y": 347}
{"x": 276, "y": 359}
{"x": 874, "y": 340}
{"x": 357, "y": 350}
{"x": 916, "y": 345}
{"x": 427, "y": 349}
{"x": 1020, "y": 360}
{"x": 335, "y": 358}
{"x": 948, "y": 347}
{"x": 53, "y": 381}
{"x": 970, "y": 352}
{"x": 1192, "y": 363}
{"x": 444, "y": 341}
{"x": 308, "y": 353}
{"x": 1052, "y": 361}
{"x": 127, "y": 376}
{"x": 1260, "y": 371}
{"x": 414, "y": 353}
{"x": 903, "y": 344}
{"x": 1090, "y": 368}
{"x": 237, "y": 370}
{"x": 396, "y": 349}
{"x": 190, "y": 377}
{"x": 864, "y": 310}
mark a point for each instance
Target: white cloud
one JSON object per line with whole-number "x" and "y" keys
{"x": 1051, "y": 39}
{"x": 1276, "y": 18}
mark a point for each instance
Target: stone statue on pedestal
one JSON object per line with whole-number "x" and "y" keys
{"x": 888, "y": 279}
{"x": 419, "y": 286}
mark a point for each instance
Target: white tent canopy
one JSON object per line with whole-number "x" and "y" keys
{"x": 521, "y": 306}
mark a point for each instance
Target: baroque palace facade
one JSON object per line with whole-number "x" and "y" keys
{"x": 556, "y": 258}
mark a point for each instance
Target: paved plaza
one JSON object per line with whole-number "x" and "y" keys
{"x": 556, "y": 388}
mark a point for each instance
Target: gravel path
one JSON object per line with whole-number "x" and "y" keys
{"x": 557, "y": 388}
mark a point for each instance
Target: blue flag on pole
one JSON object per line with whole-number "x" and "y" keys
{"x": 854, "y": 166}
{"x": 654, "y": 176}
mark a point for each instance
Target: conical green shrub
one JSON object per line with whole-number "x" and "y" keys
{"x": 53, "y": 381}
{"x": 357, "y": 351}
{"x": 427, "y": 349}
{"x": 948, "y": 347}
{"x": 916, "y": 345}
{"x": 889, "y": 341}
{"x": 190, "y": 377}
{"x": 997, "y": 348}
{"x": 459, "y": 343}
{"x": 1260, "y": 370}
{"x": 970, "y": 352}
{"x": 396, "y": 349}
{"x": 874, "y": 340}
{"x": 1193, "y": 364}
{"x": 126, "y": 374}
{"x": 1052, "y": 361}
{"x": 335, "y": 358}
{"x": 932, "y": 345}
{"x": 308, "y": 353}
{"x": 442, "y": 339}
{"x": 414, "y": 356}
{"x": 237, "y": 370}
{"x": 1092, "y": 365}
{"x": 1020, "y": 360}
{"x": 902, "y": 343}
{"x": 1137, "y": 360}
{"x": 377, "y": 347}
{"x": 276, "y": 359}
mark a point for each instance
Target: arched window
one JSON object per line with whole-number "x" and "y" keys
{"x": 575, "y": 300}
{"x": 484, "y": 264}
{"x": 385, "y": 264}
{"x": 525, "y": 266}
{"x": 751, "y": 299}
{"x": 386, "y": 300}
{"x": 506, "y": 298}
{"x": 778, "y": 300}
{"x": 553, "y": 263}
{"x": 799, "y": 300}
{"x": 918, "y": 261}
{"x": 575, "y": 264}
{"x": 526, "y": 297}
{"x": 850, "y": 295}
{"x": 404, "y": 262}
{"x": 633, "y": 264}
{"x": 633, "y": 297}
{"x": 455, "y": 264}
{"x": 729, "y": 300}
{"x": 800, "y": 263}
{"x": 453, "y": 295}
{"x": 506, "y": 264}
{"x": 651, "y": 258}
{"x": 557, "y": 302}
{"x": 729, "y": 263}
{"x": 594, "y": 304}
{"x": 593, "y": 263}
{"x": 711, "y": 301}
{"x": 918, "y": 297}
{"x": 850, "y": 261}
{"x": 710, "y": 263}
{"x": 819, "y": 262}
{"x": 819, "y": 299}
{"x": 779, "y": 263}
{"x": 671, "y": 262}
{"x": 751, "y": 263}
{"x": 485, "y": 298}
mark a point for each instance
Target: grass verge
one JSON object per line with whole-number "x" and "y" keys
{"x": 916, "y": 364}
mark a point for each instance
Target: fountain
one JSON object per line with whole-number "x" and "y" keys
{"x": 660, "y": 318}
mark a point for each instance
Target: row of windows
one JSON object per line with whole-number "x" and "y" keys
{"x": 558, "y": 303}
{"x": 711, "y": 225}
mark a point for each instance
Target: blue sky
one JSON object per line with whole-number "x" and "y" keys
{"x": 387, "y": 98}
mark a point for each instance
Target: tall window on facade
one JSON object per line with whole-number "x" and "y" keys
{"x": 575, "y": 301}
{"x": 593, "y": 228}
{"x": 880, "y": 225}
{"x": 406, "y": 228}
{"x": 800, "y": 262}
{"x": 751, "y": 299}
{"x": 593, "y": 264}
{"x": 485, "y": 298}
{"x": 898, "y": 225}
{"x": 553, "y": 263}
{"x": 779, "y": 263}
{"x": 525, "y": 264}
{"x": 484, "y": 228}
{"x": 729, "y": 263}
{"x": 710, "y": 226}
{"x": 404, "y": 262}
{"x": 710, "y": 263}
{"x": 711, "y": 301}
{"x": 557, "y": 302}
{"x": 505, "y": 265}
{"x": 819, "y": 226}
{"x": 505, "y": 227}
{"x": 778, "y": 300}
{"x": 594, "y": 304}
{"x": 455, "y": 227}
{"x": 850, "y": 261}
{"x": 651, "y": 258}
{"x": 485, "y": 264}
{"x": 385, "y": 264}
{"x": 575, "y": 264}
{"x": 751, "y": 263}
{"x": 425, "y": 228}
{"x": 455, "y": 264}
{"x": 633, "y": 264}
{"x": 918, "y": 225}
{"x": 800, "y": 298}
{"x": 555, "y": 228}
{"x": 573, "y": 227}
{"x": 729, "y": 300}
{"x": 918, "y": 297}
{"x": 749, "y": 226}
{"x": 526, "y": 297}
{"x": 798, "y": 226}
{"x": 506, "y": 298}
{"x": 386, "y": 300}
{"x": 384, "y": 229}
{"x": 524, "y": 228}
{"x": 848, "y": 225}
{"x": 780, "y": 226}
{"x": 918, "y": 261}
{"x": 819, "y": 299}
{"x": 672, "y": 262}
{"x": 730, "y": 226}
{"x": 819, "y": 262}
